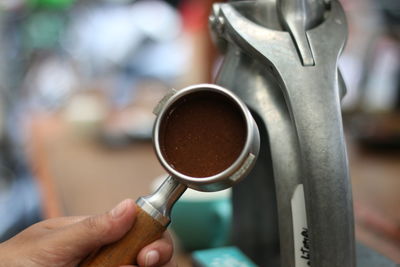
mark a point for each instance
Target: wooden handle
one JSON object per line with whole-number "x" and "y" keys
{"x": 124, "y": 251}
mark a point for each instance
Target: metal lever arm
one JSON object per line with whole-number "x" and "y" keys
{"x": 297, "y": 17}
{"x": 312, "y": 98}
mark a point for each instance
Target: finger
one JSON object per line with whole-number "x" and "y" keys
{"x": 157, "y": 253}
{"x": 172, "y": 263}
{"x": 55, "y": 223}
{"x": 44, "y": 227}
{"x": 96, "y": 231}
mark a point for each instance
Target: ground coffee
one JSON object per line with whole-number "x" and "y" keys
{"x": 203, "y": 134}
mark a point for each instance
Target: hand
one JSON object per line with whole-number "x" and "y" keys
{"x": 67, "y": 241}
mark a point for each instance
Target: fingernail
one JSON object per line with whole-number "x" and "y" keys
{"x": 119, "y": 209}
{"x": 152, "y": 257}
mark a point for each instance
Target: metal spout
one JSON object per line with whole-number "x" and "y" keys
{"x": 297, "y": 17}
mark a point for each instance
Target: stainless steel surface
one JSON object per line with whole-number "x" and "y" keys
{"x": 159, "y": 204}
{"x": 238, "y": 169}
{"x": 298, "y": 16}
{"x": 297, "y": 108}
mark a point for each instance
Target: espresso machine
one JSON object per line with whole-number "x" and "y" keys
{"x": 281, "y": 58}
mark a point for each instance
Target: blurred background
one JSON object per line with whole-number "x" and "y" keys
{"x": 79, "y": 80}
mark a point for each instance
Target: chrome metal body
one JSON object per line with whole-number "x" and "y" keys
{"x": 160, "y": 203}
{"x": 284, "y": 67}
{"x": 297, "y": 17}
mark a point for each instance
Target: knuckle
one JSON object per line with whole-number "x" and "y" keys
{"x": 91, "y": 223}
{"x": 98, "y": 224}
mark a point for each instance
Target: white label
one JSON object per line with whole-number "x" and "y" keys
{"x": 300, "y": 228}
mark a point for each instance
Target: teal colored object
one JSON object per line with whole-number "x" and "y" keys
{"x": 222, "y": 257}
{"x": 62, "y": 4}
{"x": 201, "y": 223}
{"x": 43, "y": 29}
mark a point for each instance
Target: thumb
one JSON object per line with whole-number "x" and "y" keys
{"x": 93, "y": 232}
